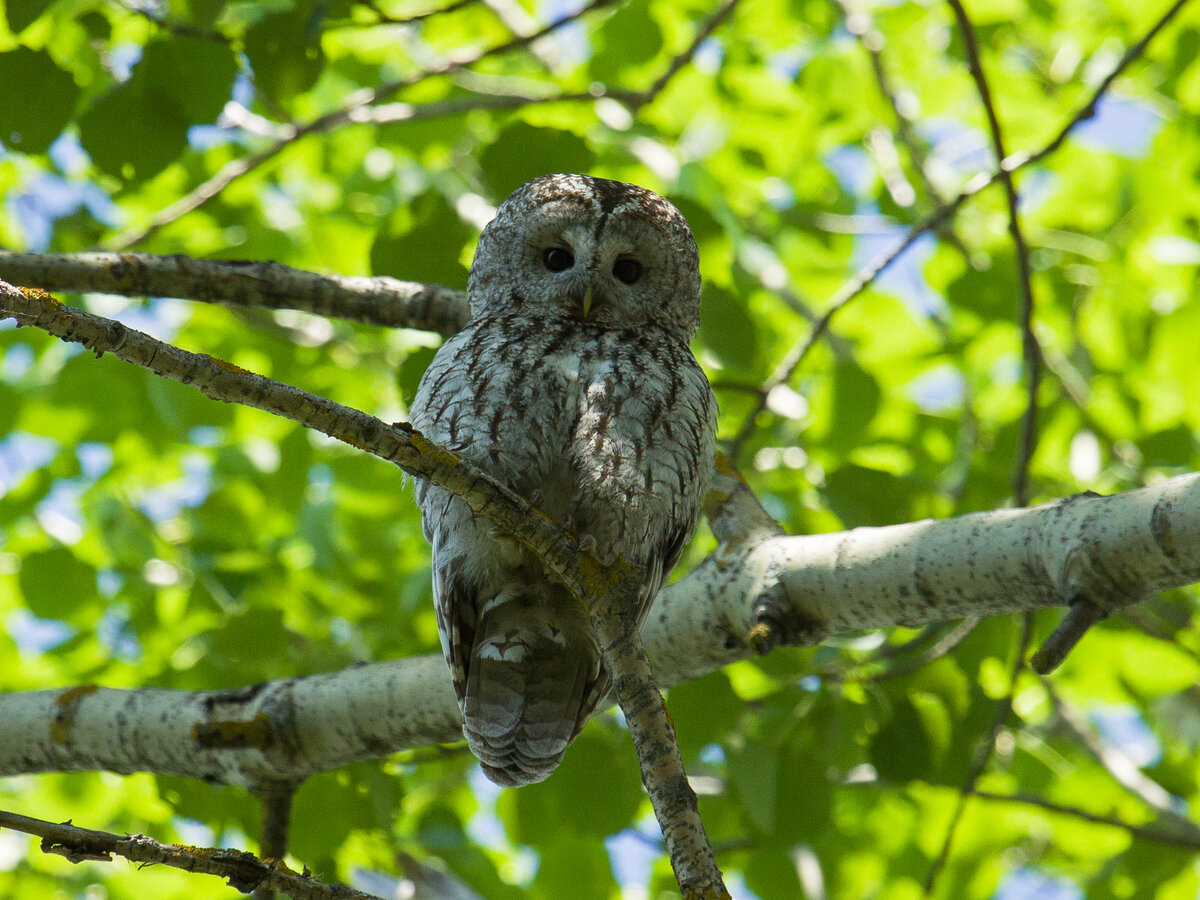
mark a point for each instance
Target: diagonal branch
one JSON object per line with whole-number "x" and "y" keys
{"x": 604, "y": 591}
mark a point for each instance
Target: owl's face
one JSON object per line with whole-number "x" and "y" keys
{"x": 601, "y": 251}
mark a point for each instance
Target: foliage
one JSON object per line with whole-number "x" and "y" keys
{"x": 149, "y": 537}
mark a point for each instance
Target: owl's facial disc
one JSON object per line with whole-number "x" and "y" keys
{"x": 612, "y": 254}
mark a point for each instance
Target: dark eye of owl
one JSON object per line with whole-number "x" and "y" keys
{"x": 558, "y": 259}
{"x": 627, "y": 269}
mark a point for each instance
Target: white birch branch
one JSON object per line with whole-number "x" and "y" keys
{"x": 760, "y": 589}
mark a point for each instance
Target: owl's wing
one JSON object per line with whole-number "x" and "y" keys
{"x": 453, "y": 605}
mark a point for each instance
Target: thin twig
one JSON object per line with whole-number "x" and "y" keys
{"x": 1116, "y": 762}
{"x": 682, "y": 59}
{"x": 244, "y": 871}
{"x": 1029, "y": 345}
{"x": 276, "y": 818}
{"x": 867, "y": 275}
{"x": 860, "y": 24}
{"x": 983, "y": 753}
{"x": 172, "y": 25}
{"x": 1176, "y": 833}
{"x": 912, "y": 660}
{"x": 382, "y": 18}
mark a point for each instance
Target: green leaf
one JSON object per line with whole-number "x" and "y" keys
{"x": 408, "y": 375}
{"x": 428, "y": 248}
{"x": 194, "y": 74}
{"x": 861, "y": 496}
{"x": 138, "y": 128}
{"x": 856, "y": 396}
{"x": 628, "y": 39}
{"x": 592, "y": 794}
{"x": 522, "y": 151}
{"x": 727, "y": 329}
{"x": 754, "y": 773}
{"x": 56, "y": 583}
{"x": 572, "y": 868}
{"x": 285, "y": 52}
{"x": 37, "y": 100}
{"x": 22, "y": 13}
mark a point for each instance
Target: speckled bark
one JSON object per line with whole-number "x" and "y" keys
{"x": 653, "y": 735}
{"x": 375, "y": 301}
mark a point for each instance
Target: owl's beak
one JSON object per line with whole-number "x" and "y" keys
{"x": 586, "y": 306}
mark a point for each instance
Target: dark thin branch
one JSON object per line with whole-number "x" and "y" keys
{"x": 860, "y": 24}
{"x": 276, "y": 818}
{"x": 1088, "y": 110}
{"x": 676, "y": 65}
{"x": 983, "y": 754}
{"x": 867, "y": 275}
{"x": 915, "y": 655}
{"x": 382, "y": 18}
{"x": 1029, "y": 345}
{"x": 172, "y": 25}
{"x": 1172, "y": 832}
{"x": 244, "y": 871}
{"x": 1080, "y": 617}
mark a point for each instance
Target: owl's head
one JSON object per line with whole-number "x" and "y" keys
{"x": 603, "y": 251}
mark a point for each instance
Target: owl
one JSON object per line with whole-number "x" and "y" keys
{"x": 573, "y": 383}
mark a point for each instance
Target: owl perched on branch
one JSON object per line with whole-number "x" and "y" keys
{"x": 574, "y": 384}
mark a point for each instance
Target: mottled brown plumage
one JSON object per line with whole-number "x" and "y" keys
{"x": 574, "y": 384}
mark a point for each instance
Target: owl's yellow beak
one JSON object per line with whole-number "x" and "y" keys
{"x": 587, "y": 302}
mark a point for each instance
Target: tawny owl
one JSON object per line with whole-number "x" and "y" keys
{"x": 574, "y": 384}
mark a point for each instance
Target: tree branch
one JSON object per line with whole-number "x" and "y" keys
{"x": 244, "y": 871}
{"x": 760, "y": 589}
{"x": 375, "y": 301}
{"x": 600, "y": 589}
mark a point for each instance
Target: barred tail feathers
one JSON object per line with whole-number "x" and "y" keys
{"x": 530, "y": 687}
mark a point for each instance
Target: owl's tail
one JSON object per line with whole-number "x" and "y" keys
{"x": 530, "y": 688}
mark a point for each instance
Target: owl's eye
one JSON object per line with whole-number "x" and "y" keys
{"x": 627, "y": 269}
{"x": 558, "y": 259}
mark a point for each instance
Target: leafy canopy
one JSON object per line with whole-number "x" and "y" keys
{"x": 149, "y": 537}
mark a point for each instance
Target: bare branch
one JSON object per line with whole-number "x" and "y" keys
{"x": 244, "y": 871}
{"x": 375, "y": 301}
{"x": 1029, "y": 345}
{"x": 758, "y": 590}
